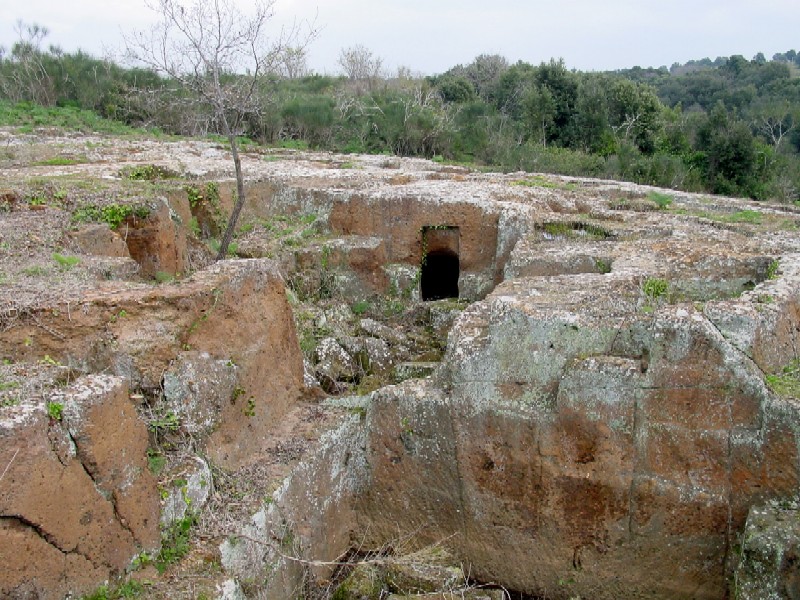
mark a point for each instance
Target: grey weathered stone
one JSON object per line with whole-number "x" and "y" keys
{"x": 769, "y": 564}
{"x": 195, "y": 387}
{"x": 191, "y": 485}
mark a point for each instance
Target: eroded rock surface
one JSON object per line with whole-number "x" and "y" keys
{"x": 230, "y": 326}
{"x": 603, "y": 421}
{"x": 770, "y": 553}
{"x": 77, "y": 501}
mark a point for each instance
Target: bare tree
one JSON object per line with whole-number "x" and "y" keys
{"x": 360, "y": 65}
{"x": 293, "y": 64}
{"x": 217, "y": 54}
{"x": 28, "y": 80}
{"x": 775, "y": 122}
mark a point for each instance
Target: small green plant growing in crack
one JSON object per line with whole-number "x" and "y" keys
{"x": 602, "y": 265}
{"x": 119, "y": 315}
{"x": 49, "y": 361}
{"x": 359, "y": 308}
{"x": 655, "y": 291}
{"x": 129, "y": 589}
{"x": 175, "y": 543}
{"x": 655, "y": 288}
{"x": 772, "y": 269}
{"x": 155, "y": 461}
{"x": 786, "y": 383}
{"x": 168, "y": 422}
{"x": 250, "y": 411}
{"x": 660, "y": 199}
{"x": 65, "y": 263}
{"x": 164, "y": 277}
{"x": 55, "y": 410}
{"x": 7, "y": 385}
{"x": 406, "y": 426}
{"x": 111, "y": 214}
{"x": 194, "y": 195}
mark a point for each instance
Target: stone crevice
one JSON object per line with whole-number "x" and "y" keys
{"x": 44, "y": 535}
{"x": 108, "y": 496}
{"x": 732, "y": 344}
{"x": 637, "y": 431}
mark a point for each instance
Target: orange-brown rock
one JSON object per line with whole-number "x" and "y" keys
{"x": 157, "y": 242}
{"x": 77, "y": 501}
{"x": 99, "y": 240}
{"x": 235, "y": 312}
{"x": 575, "y": 444}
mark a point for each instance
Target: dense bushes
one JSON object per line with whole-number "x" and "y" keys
{"x": 731, "y": 126}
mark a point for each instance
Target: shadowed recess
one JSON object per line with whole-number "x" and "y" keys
{"x": 440, "y": 275}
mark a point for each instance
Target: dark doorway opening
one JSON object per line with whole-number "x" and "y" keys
{"x": 439, "y": 275}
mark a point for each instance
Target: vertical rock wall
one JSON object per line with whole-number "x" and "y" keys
{"x": 77, "y": 501}
{"x": 575, "y": 444}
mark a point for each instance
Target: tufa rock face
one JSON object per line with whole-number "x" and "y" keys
{"x": 227, "y": 329}
{"x": 77, "y": 501}
{"x": 192, "y": 485}
{"x": 157, "y": 243}
{"x": 770, "y": 562}
{"x": 99, "y": 240}
{"x": 571, "y": 436}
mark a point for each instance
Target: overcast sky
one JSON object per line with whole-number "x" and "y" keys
{"x": 430, "y": 36}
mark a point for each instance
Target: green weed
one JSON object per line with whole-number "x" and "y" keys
{"x": 112, "y": 214}
{"x": 59, "y": 161}
{"x": 129, "y": 589}
{"x": 603, "y": 266}
{"x": 65, "y": 263}
{"x": 745, "y": 216}
{"x": 26, "y": 116}
{"x": 787, "y": 382}
{"x": 661, "y": 200}
{"x": 359, "y": 308}
{"x": 55, "y": 410}
{"x": 772, "y": 269}
{"x": 155, "y": 461}
{"x": 148, "y": 173}
{"x": 164, "y": 277}
{"x": 539, "y": 181}
{"x": 35, "y": 271}
{"x": 655, "y": 288}
{"x": 7, "y": 385}
{"x": 168, "y": 422}
{"x": 175, "y": 543}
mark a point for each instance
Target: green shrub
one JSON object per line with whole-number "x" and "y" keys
{"x": 55, "y": 410}
{"x": 112, "y": 214}
{"x": 662, "y": 200}
{"x": 787, "y": 382}
{"x": 655, "y": 288}
{"x": 65, "y": 262}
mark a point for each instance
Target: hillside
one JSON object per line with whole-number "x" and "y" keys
{"x": 728, "y": 126}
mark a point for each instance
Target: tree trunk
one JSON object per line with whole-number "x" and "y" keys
{"x": 237, "y": 207}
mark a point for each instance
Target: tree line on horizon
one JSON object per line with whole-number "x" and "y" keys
{"x": 729, "y": 126}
